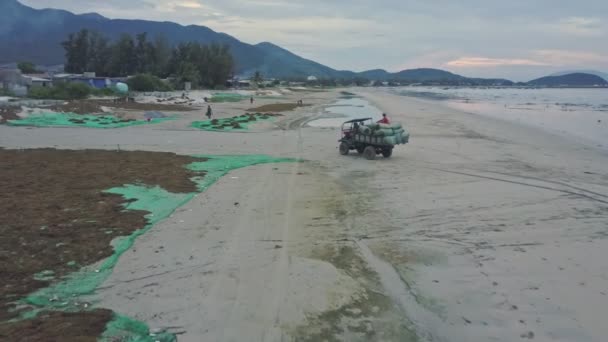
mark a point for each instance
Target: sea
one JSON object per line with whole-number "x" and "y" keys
{"x": 580, "y": 114}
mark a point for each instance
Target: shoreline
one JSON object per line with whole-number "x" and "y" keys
{"x": 515, "y": 125}
{"x": 557, "y": 121}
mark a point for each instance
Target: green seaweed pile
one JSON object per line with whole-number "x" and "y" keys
{"x": 227, "y": 97}
{"x": 237, "y": 123}
{"x": 77, "y": 120}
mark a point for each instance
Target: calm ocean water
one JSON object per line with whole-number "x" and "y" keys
{"x": 580, "y": 114}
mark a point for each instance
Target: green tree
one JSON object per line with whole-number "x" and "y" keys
{"x": 212, "y": 64}
{"x": 27, "y": 67}
{"x": 123, "y": 61}
{"x": 202, "y": 65}
{"x": 257, "y": 78}
{"x": 77, "y": 52}
{"x": 145, "y": 54}
{"x": 187, "y": 72}
{"x": 161, "y": 55}
{"x": 147, "y": 82}
{"x": 70, "y": 53}
{"x": 216, "y": 64}
{"x": 100, "y": 53}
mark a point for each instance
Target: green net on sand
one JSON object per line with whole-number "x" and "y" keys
{"x": 67, "y": 294}
{"x": 76, "y": 120}
{"x": 125, "y": 329}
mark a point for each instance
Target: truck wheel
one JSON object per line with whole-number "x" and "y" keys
{"x": 344, "y": 149}
{"x": 369, "y": 153}
{"x": 387, "y": 152}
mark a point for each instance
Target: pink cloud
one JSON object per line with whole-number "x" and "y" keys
{"x": 482, "y": 62}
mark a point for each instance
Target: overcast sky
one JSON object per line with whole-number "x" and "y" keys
{"x": 516, "y": 39}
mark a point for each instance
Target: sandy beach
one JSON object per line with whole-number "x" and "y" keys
{"x": 477, "y": 230}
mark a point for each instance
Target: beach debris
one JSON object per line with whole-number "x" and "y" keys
{"x": 154, "y": 115}
{"x": 8, "y": 114}
{"x": 46, "y": 275}
{"x": 529, "y": 335}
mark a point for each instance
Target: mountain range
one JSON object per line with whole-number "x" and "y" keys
{"x": 28, "y": 34}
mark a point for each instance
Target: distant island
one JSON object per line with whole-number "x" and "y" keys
{"x": 41, "y": 32}
{"x": 570, "y": 80}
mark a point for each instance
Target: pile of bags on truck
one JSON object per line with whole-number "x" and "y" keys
{"x": 392, "y": 134}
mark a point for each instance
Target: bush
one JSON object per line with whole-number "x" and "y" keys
{"x": 27, "y": 67}
{"x": 78, "y": 91}
{"x": 147, "y": 82}
{"x": 104, "y": 92}
{"x": 6, "y": 92}
{"x": 62, "y": 91}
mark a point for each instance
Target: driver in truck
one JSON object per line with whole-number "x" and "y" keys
{"x": 384, "y": 119}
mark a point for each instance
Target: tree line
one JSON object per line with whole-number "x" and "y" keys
{"x": 202, "y": 65}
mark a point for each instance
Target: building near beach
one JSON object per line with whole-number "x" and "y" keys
{"x": 88, "y": 78}
{"x": 13, "y": 81}
{"x": 38, "y": 81}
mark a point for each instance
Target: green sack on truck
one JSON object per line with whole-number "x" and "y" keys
{"x": 406, "y": 137}
{"x": 365, "y": 130}
{"x": 395, "y": 125}
{"x": 384, "y": 132}
{"x": 391, "y": 140}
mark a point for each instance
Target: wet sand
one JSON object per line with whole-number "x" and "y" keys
{"x": 478, "y": 230}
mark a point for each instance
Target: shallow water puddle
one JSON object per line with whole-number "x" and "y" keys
{"x": 346, "y": 109}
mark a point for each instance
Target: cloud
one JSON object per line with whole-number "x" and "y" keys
{"x": 484, "y": 62}
{"x": 193, "y": 7}
{"x": 334, "y": 32}
{"x": 189, "y": 4}
{"x": 581, "y": 26}
{"x": 572, "y": 58}
{"x": 556, "y": 58}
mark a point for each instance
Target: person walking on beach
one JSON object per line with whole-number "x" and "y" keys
{"x": 209, "y": 112}
{"x": 251, "y": 100}
{"x": 384, "y": 119}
